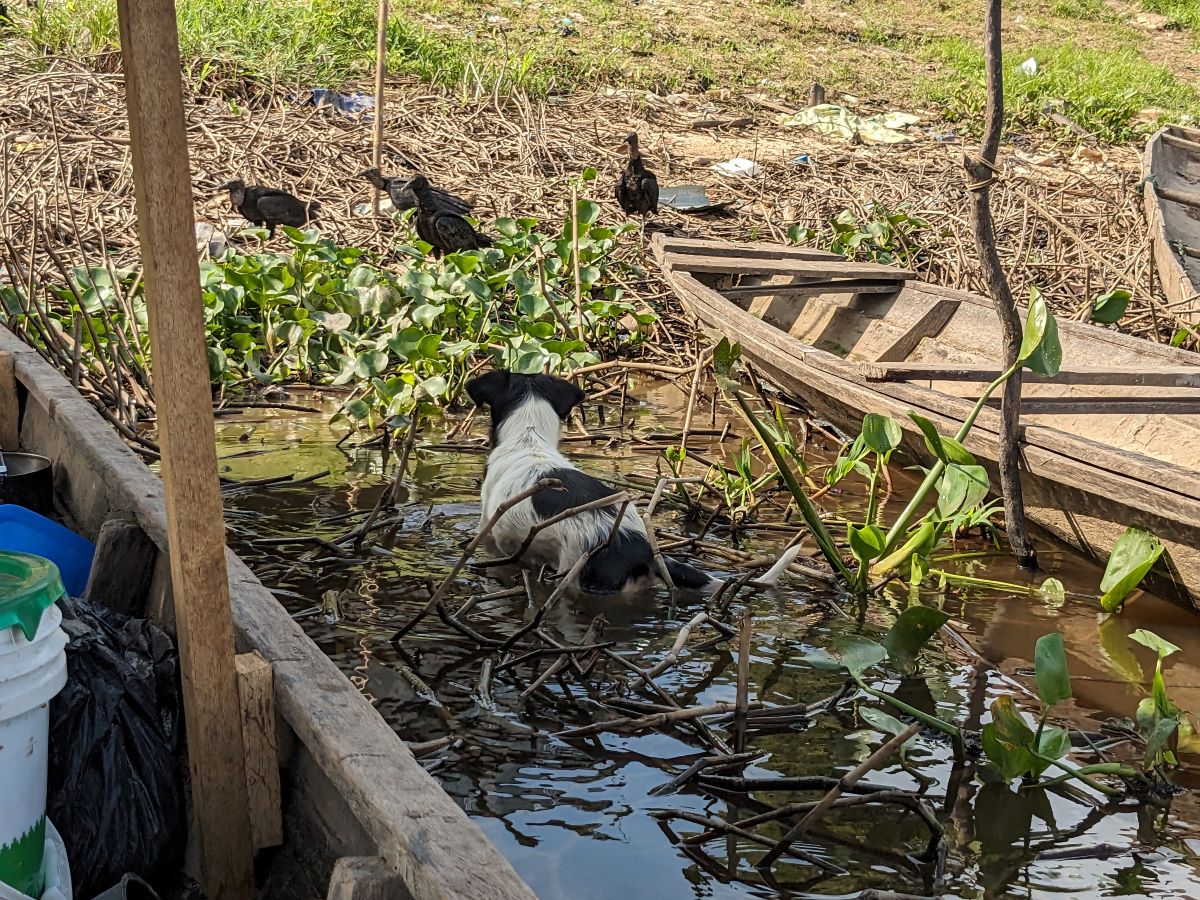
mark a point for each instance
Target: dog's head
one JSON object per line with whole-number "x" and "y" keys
{"x": 504, "y": 392}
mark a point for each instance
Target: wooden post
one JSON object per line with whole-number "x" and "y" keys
{"x": 981, "y": 172}
{"x": 380, "y": 75}
{"x": 195, "y": 528}
{"x": 256, "y": 691}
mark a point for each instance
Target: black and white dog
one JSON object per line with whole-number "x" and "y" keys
{"x": 527, "y": 415}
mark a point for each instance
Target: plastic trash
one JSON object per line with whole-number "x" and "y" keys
{"x": 33, "y": 668}
{"x": 738, "y": 167}
{"x": 116, "y": 777}
{"x": 347, "y": 104}
{"x": 801, "y": 159}
{"x": 829, "y": 118}
{"x": 129, "y": 888}
{"x": 24, "y": 531}
{"x": 56, "y": 871}
{"x": 1029, "y": 67}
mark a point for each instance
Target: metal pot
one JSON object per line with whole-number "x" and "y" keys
{"x": 27, "y": 480}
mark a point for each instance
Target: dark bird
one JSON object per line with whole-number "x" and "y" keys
{"x": 403, "y": 198}
{"x": 269, "y": 206}
{"x": 446, "y": 231}
{"x": 637, "y": 188}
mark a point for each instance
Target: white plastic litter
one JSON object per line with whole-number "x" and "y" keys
{"x": 1029, "y": 67}
{"x": 829, "y": 118}
{"x": 56, "y": 870}
{"x": 738, "y": 167}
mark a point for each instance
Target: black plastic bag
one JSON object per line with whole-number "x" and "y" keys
{"x": 116, "y": 787}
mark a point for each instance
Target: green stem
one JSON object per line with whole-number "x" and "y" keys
{"x": 982, "y": 582}
{"x": 923, "y": 717}
{"x": 900, "y": 526}
{"x": 807, "y": 511}
{"x": 1082, "y": 774}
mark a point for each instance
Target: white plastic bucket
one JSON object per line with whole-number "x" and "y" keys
{"x": 56, "y": 872}
{"x": 31, "y": 673}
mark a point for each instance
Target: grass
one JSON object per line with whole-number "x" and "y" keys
{"x": 1181, "y": 13}
{"x": 910, "y": 53}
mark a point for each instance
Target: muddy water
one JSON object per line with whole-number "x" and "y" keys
{"x": 575, "y": 817}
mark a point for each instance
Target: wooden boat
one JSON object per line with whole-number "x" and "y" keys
{"x": 355, "y": 815}
{"x": 1172, "y": 194}
{"x": 1112, "y": 441}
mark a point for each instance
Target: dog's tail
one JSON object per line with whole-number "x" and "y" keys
{"x": 692, "y": 579}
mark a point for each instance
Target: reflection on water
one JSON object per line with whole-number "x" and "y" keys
{"x": 575, "y": 817}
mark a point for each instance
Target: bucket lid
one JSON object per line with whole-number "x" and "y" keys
{"x": 28, "y": 586}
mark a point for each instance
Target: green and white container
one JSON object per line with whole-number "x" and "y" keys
{"x": 33, "y": 668}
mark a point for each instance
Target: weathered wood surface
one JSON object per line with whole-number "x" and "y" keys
{"x": 256, "y": 697}
{"x": 365, "y": 878}
{"x": 1085, "y": 490}
{"x": 822, "y": 267}
{"x": 1149, "y": 376}
{"x": 1173, "y": 171}
{"x": 162, "y": 182}
{"x": 1074, "y": 405}
{"x": 9, "y": 410}
{"x": 122, "y": 568}
{"x": 813, "y": 288}
{"x": 412, "y": 823}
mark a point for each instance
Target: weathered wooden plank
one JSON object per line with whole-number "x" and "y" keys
{"x": 816, "y": 287}
{"x": 256, "y": 695}
{"x": 10, "y": 437}
{"x": 1184, "y": 198}
{"x": 826, "y": 268}
{"x": 122, "y": 568}
{"x": 929, "y": 323}
{"x": 165, "y": 218}
{"x": 750, "y": 250}
{"x": 1149, "y": 376}
{"x": 1107, "y": 406}
{"x": 1181, "y": 143}
{"x": 365, "y": 878}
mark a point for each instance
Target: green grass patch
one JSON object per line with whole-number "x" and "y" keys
{"x": 1103, "y": 91}
{"x": 1182, "y": 13}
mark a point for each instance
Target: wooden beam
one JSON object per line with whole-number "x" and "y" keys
{"x": 1074, "y": 405}
{"x": 1139, "y": 376}
{"x": 826, "y": 268}
{"x": 364, "y": 878}
{"x": 751, "y": 250}
{"x": 380, "y": 76}
{"x": 929, "y": 323}
{"x": 1183, "y": 198}
{"x": 1182, "y": 143}
{"x": 195, "y": 528}
{"x": 10, "y": 435}
{"x": 256, "y": 696}
{"x": 813, "y": 288}
{"x": 122, "y": 568}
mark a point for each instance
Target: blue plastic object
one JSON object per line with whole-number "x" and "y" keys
{"x": 24, "y": 531}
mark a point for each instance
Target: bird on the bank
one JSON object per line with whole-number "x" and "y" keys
{"x": 269, "y": 206}
{"x": 403, "y": 198}
{"x": 637, "y": 188}
{"x": 443, "y": 229}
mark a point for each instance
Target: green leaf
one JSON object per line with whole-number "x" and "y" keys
{"x": 1054, "y": 743}
{"x": 1012, "y": 759}
{"x": 1047, "y": 358}
{"x": 1011, "y": 722}
{"x": 1133, "y": 555}
{"x": 961, "y": 487}
{"x": 1157, "y": 739}
{"x": 912, "y": 631}
{"x": 1053, "y": 592}
{"x": 1035, "y": 325}
{"x": 371, "y": 362}
{"x": 881, "y": 433}
{"x": 945, "y": 448}
{"x": 1050, "y": 669}
{"x": 1110, "y": 307}
{"x": 435, "y": 387}
{"x": 1162, "y": 647}
{"x": 359, "y": 409}
{"x": 724, "y": 356}
{"x": 851, "y": 652}
{"x": 867, "y": 543}
{"x": 888, "y": 724}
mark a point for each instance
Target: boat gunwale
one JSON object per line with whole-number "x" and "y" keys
{"x": 1177, "y": 282}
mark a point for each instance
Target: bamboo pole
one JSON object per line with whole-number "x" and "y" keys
{"x": 380, "y": 75}
{"x": 195, "y": 529}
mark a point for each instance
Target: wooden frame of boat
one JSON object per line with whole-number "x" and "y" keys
{"x": 361, "y": 818}
{"x": 1172, "y": 194}
{"x": 1103, "y": 446}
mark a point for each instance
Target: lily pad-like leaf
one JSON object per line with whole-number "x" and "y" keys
{"x": 851, "y": 652}
{"x": 1011, "y": 758}
{"x": 912, "y": 631}
{"x": 867, "y": 543}
{"x": 881, "y": 433}
{"x": 888, "y": 724}
{"x": 1133, "y": 555}
{"x": 1162, "y": 647}
{"x": 724, "y": 356}
{"x": 1053, "y": 592}
{"x": 1054, "y": 743}
{"x": 1050, "y": 669}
